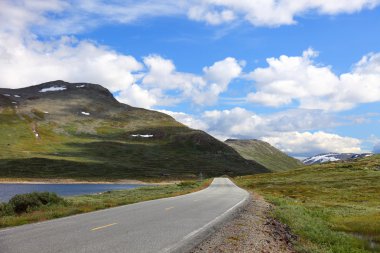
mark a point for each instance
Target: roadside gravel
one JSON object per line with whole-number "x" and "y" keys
{"x": 251, "y": 231}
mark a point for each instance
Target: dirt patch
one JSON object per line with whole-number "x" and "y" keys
{"x": 251, "y": 231}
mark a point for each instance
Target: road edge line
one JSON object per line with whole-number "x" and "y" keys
{"x": 193, "y": 239}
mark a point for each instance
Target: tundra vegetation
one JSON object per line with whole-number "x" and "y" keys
{"x": 264, "y": 154}
{"x": 333, "y": 207}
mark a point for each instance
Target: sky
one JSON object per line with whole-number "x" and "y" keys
{"x": 302, "y": 75}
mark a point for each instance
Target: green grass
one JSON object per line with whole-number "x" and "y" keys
{"x": 88, "y": 203}
{"x": 333, "y": 207}
{"x": 265, "y": 154}
{"x": 101, "y": 148}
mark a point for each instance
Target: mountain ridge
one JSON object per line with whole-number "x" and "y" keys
{"x": 79, "y": 130}
{"x": 264, "y": 153}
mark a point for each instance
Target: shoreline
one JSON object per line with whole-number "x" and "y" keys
{"x": 74, "y": 181}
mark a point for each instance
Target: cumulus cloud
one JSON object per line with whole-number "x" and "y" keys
{"x": 136, "y": 96}
{"x": 68, "y": 17}
{"x": 299, "y": 79}
{"x": 187, "y": 119}
{"x": 201, "y": 90}
{"x": 26, "y": 61}
{"x": 242, "y": 123}
{"x": 307, "y": 143}
{"x": 272, "y": 12}
{"x": 291, "y": 131}
{"x": 213, "y": 17}
{"x": 17, "y": 16}
{"x": 61, "y": 17}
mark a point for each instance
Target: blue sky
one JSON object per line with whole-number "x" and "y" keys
{"x": 305, "y": 77}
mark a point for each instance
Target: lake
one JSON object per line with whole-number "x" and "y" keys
{"x": 7, "y": 191}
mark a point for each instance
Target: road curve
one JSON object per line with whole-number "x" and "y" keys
{"x": 164, "y": 225}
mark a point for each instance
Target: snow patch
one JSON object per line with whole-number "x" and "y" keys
{"x": 54, "y": 88}
{"x": 46, "y": 112}
{"x": 80, "y": 86}
{"x": 321, "y": 159}
{"x": 143, "y": 135}
{"x": 17, "y": 96}
{"x": 36, "y": 134}
{"x": 14, "y": 102}
{"x": 86, "y": 113}
{"x": 333, "y": 157}
{"x": 7, "y": 95}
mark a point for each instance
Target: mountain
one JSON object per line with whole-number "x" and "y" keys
{"x": 265, "y": 154}
{"x": 333, "y": 157}
{"x": 79, "y": 130}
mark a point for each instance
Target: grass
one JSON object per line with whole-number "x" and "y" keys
{"x": 333, "y": 207}
{"x": 100, "y": 147}
{"x": 265, "y": 154}
{"x": 88, "y": 203}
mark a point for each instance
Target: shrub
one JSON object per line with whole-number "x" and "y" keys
{"x": 187, "y": 184}
{"x": 5, "y": 209}
{"x": 23, "y": 202}
{"x": 48, "y": 198}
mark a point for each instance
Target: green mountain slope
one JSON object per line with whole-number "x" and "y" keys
{"x": 265, "y": 154}
{"x": 64, "y": 130}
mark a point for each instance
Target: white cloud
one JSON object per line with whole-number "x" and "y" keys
{"x": 61, "y": 17}
{"x": 298, "y": 79}
{"x": 307, "y": 143}
{"x": 290, "y": 131}
{"x": 16, "y": 16}
{"x": 241, "y": 123}
{"x": 187, "y": 119}
{"x": 27, "y": 61}
{"x": 213, "y": 17}
{"x": 136, "y": 96}
{"x": 273, "y": 12}
{"x": 201, "y": 90}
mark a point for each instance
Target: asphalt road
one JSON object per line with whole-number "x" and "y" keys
{"x": 165, "y": 225}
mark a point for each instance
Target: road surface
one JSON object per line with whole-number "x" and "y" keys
{"x": 164, "y": 225}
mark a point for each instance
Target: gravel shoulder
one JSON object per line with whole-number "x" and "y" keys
{"x": 252, "y": 230}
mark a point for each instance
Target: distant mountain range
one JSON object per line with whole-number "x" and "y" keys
{"x": 265, "y": 154}
{"x": 333, "y": 157}
{"x": 79, "y": 130}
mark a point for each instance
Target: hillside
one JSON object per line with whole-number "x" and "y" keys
{"x": 332, "y": 207}
{"x": 79, "y": 130}
{"x": 265, "y": 154}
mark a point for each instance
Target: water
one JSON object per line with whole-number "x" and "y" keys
{"x": 7, "y": 191}
{"x": 372, "y": 245}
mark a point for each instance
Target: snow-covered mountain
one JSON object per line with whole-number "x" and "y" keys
{"x": 332, "y": 157}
